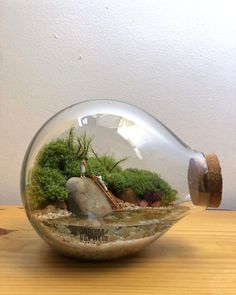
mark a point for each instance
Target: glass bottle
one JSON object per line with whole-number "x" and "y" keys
{"x": 103, "y": 179}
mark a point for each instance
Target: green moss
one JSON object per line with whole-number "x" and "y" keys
{"x": 65, "y": 155}
{"x": 48, "y": 185}
{"x": 116, "y": 182}
{"x": 141, "y": 182}
{"x": 104, "y": 164}
{"x": 96, "y": 167}
{"x": 56, "y": 162}
{"x": 60, "y": 160}
{"x": 56, "y": 155}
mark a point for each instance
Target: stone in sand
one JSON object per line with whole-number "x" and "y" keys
{"x": 87, "y": 198}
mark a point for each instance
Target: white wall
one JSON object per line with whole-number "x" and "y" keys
{"x": 175, "y": 59}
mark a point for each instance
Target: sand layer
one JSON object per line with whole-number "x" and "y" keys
{"x": 119, "y": 234}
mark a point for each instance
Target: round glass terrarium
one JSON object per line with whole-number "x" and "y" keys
{"x": 103, "y": 179}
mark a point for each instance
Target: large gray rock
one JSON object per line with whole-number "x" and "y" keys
{"x": 87, "y": 198}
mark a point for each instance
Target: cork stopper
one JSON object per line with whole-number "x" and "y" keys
{"x": 205, "y": 181}
{"x": 214, "y": 180}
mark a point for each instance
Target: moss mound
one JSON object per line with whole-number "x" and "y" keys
{"x": 61, "y": 159}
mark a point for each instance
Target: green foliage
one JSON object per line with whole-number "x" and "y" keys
{"x": 56, "y": 162}
{"x": 60, "y": 160}
{"x": 72, "y": 169}
{"x": 47, "y": 185}
{"x": 169, "y": 197}
{"x": 65, "y": 154}
{"x": 144, "y": 181}
{"x": 140, "y": 181}
{"x": 56, "y": 155}
{"x": 109, "y": 163}
{"x": 96, "y": 167}
{"x": 104, "y": 165}
{"x": 115, "y": 182}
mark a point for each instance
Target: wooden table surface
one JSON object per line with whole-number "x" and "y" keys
{"x": 196, "y": 256}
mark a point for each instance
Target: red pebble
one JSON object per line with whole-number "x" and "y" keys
{"x": 143, "y": 203}
{"x": 156, "y": 204}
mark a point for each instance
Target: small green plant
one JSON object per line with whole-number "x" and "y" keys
{"x": 108, "y": 162}
{"x": 104, "y": 165}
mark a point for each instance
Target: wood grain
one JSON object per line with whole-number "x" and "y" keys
{"x": 197, "y": 256}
